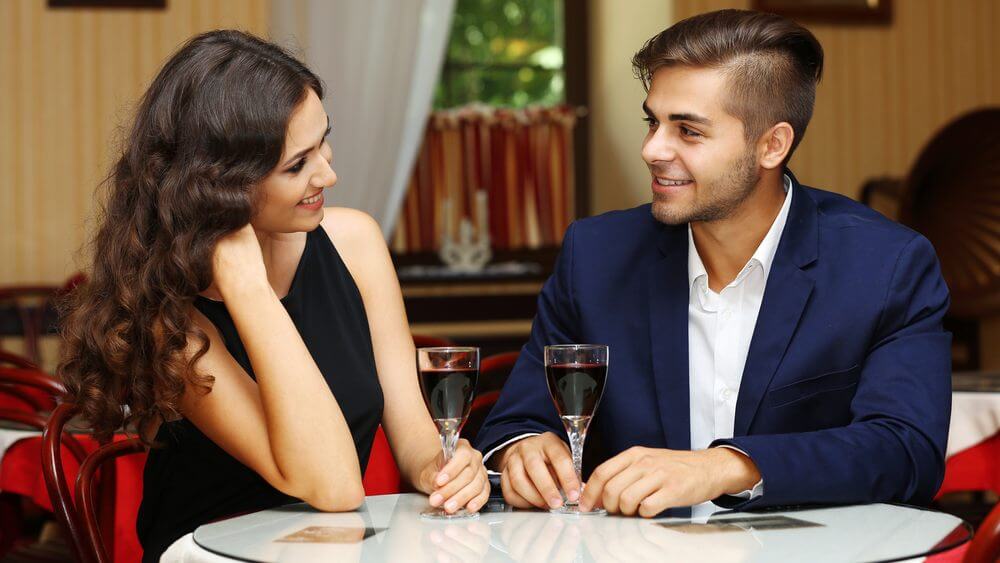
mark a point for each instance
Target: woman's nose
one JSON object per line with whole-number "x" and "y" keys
{"x": 326, "y": 177}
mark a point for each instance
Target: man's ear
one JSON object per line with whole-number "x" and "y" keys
{"x": 774, "y": 144}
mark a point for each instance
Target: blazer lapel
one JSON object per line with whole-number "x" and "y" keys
{"x": 668, "y": 289}
{"x": 785, "y": 297}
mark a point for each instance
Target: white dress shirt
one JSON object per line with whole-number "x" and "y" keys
{"x": 720, "y": 326}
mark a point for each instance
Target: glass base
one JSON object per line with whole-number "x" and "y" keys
{"x": 574, "y": 510}
{"x": 440, "y": 514}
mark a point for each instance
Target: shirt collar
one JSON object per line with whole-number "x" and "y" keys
{"x": 764, "y": 255}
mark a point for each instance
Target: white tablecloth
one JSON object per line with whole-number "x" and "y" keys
{"x": 974, "y": 418}
{"x": 185, "y": 550}
{"x": 9, "y": 436}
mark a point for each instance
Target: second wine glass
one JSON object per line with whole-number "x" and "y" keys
{"x": 576, "y": 374}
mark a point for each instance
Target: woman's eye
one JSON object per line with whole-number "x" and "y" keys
{"x": 689, "y": 133}
{"x": 298, "y": 166}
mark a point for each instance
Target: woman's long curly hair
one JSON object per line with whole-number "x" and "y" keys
{"x": 211, "y": 126}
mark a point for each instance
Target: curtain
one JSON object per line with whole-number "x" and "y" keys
{"x": 509, "y": 172}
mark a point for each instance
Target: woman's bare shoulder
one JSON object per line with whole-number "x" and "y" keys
{"x": 358, "y": 238}
{"x": 351, "y": 227}
{"x": 359, "y": 241}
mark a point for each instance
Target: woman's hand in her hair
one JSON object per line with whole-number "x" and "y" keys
{"x": 461, "y": 483}
{"x": 238, "y": 263}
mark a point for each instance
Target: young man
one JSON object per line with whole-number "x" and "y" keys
{"x": 771, "y": 343}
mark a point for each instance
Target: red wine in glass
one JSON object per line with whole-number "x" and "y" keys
{"x": 576, "y": 374}
{"x": 576, "y": 388}
{"x": 448, "y": 378}
{"x": 448, "y": 392}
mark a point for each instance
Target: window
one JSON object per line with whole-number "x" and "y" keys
{"x": 504, "y": 53}
{"x": 504, "y": 149}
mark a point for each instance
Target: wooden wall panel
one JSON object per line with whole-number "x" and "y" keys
{"x": 69, "y": 78}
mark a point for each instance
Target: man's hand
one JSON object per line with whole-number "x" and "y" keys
{"x": 530, "y": 469}
{"x": 647, "y": 481}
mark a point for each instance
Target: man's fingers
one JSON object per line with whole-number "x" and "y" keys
{"x": 630, "y": 498}
{"x": 594, "y": 489}
{"x": 657, "y": 502}
{"x": 538, "y": 472}
{"x": 562, "y": 463}
{"x": 613, "y": 489}
{"x": 510, "y": 496}
{"x": 522, "y": 483}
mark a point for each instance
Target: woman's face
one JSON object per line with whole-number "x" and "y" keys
{"x": 292, "y": 194}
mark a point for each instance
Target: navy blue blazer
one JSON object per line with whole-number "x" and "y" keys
{"x": 846, "y": 391}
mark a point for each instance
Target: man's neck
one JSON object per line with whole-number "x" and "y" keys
{"x": 726, "y": 245}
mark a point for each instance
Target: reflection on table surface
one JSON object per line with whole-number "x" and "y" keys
{"x": 388, "y": 528}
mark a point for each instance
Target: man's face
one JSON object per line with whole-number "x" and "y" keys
{"x": 702, "y": 167}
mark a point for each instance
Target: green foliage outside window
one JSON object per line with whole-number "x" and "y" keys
{"x": 504, "y": 53}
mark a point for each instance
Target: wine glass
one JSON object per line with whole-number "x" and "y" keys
{"x": 576, "y": 374}
{"x": 448, "y": 377}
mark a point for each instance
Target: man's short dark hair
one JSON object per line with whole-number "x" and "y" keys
{"x": 772, "y": 64}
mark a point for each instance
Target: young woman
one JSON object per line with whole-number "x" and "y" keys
{"x": 253, "y": 335}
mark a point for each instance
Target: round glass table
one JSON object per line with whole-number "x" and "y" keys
{"x": 389, "y": 528}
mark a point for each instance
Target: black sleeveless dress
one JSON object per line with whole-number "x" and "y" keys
{"x": 192, "y": 481}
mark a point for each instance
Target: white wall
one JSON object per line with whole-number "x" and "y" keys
{"x": 619, "y": 179}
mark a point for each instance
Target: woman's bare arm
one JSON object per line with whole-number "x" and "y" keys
{"x": 408, "y": 426}
{"x": 286, "y": 426}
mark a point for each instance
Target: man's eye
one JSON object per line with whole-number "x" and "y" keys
{"x": 651, "y": 122}
{"x": 689, "y": 133}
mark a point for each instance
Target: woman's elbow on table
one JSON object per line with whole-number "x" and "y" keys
{"x": 339, "y": 499}
{"x": 329, "y": 490}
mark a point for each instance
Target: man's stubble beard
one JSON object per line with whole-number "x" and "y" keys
{"x": 725, "y": 195}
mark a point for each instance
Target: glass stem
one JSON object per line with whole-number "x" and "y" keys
{"x": 576, "y": 447}
{"x": 448, "y": 432}
{"x": 576, "y": 429}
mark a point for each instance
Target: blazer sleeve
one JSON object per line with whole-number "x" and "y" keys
{"x": 524, "y": 405}
{"x": 893, "y": 449}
